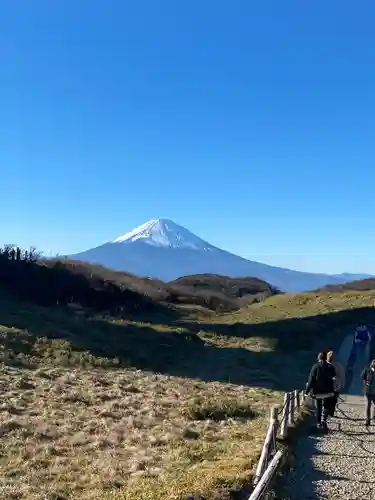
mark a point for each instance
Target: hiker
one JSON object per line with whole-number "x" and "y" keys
{"x": 338, "y": 383}
{"x": 321, "y": 385}
{"x": 361, "y": 335}
{"x": 369, "y": 386}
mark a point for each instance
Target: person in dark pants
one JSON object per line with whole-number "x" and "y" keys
{"x": 339, "y": 382}
{"x": 368, "y": 377}
{"x": 321, "y": 386}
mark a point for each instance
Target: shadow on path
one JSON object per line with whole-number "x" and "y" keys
{"x": 358, "y": 360}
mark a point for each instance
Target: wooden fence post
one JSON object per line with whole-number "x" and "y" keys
{"x": 285, "y": 416}
{"x": 270, "y": 437}
{"x": 297, "y": 400}
{"x": 291, "y": 408}
{"x": 273, "y": 414}
{"x": 258, "y": 491}
{"x": 267, "y": 468}
{"x": 274, "y": 418}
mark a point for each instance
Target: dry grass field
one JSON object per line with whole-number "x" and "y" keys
{"x": 78, "y": 434}
{"x": 169, "y": 417}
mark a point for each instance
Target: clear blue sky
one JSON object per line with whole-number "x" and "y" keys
{"x": 251, "y": 123}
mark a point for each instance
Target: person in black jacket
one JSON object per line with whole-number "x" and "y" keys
{"x": 321, "y": 386}
{"x": 368, "y": 378}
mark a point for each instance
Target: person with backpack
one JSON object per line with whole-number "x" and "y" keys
{"x": 338, "y": 383}
{"x": 361, "y": 335}
{"x": 368, "y": 378}
{"x": 321, "y": 386}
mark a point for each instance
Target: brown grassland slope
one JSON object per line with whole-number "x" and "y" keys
{"x": 100, "y": 409}
{"x": 110, "y": 393}
{"x": 66, "y": 281}
{"x": 219, "y": 293}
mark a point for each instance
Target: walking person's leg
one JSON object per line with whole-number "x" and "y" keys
{"x": 368, "y": 409}
{"x": 319, "y": 409}
{"x": 334, "y": 402}
{"x": 327, "y": 410}
{"x": 372, "y": 404}
{"x": 328, "y": 405}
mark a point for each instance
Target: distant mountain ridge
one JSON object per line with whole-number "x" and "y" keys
{"x": 360, "y": 285}
{"x": 164, "y": 250}
{"x": 353, "y": 277}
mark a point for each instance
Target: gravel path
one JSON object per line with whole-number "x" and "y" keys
{"x": 339, "y": 464}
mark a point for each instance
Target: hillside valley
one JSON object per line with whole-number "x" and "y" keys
{"x": 67, "y": 282}
{"x": 150, "y": 399}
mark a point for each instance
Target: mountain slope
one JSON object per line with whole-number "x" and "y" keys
{"x": 353, "y": 277}
{"x": 367, "y": 284}
{"x": 164, "y": 250}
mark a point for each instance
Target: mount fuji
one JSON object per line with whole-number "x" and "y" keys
{"x": 164, "y": 250}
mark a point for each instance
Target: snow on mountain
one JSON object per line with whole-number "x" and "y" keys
{"x": 164, "y": 250}
{"x": 164, "y": 233}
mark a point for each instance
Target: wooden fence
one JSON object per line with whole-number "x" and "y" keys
{"x": 281, "y": 420}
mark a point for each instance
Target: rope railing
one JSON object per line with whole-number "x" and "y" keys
{"x": 281, "y": 420}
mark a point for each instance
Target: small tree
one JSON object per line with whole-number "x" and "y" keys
{"x": 12, "y": 254}
{"x": 33, "y": 255}
{"x": 7, "y": 250}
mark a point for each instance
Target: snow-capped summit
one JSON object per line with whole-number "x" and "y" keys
{"x": 164, "y": 233}
{"x": 164, "y": 250}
